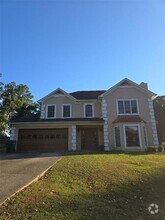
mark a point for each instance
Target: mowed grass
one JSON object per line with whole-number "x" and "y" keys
{"x": 97, "y": 186}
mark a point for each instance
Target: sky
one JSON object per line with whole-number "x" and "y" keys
{"x": 82, "y": 44}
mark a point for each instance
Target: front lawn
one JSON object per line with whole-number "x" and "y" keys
{"x": 98, "y": 186}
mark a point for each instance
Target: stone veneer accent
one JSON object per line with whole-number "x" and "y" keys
{"x": 13, "y": 134}
{"x": 105, "y": 117}
{"x": 42, "y": 111}
{"x": 73, "y": 137}
{"x": 153, "y": 124}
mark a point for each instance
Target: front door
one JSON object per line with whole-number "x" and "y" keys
{"x": 89, "y": 138}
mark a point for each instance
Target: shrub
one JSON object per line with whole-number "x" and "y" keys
{"x": 151, "y": 149}
{"x": 101, "y": 148}
{"x": 161, "y": 148}
{"x": 2, "y": 146}
{"x": 116, "y": 151}
{"x": 10, "y": 144}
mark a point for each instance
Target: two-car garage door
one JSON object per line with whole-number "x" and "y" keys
{"x": 42, "y": 140}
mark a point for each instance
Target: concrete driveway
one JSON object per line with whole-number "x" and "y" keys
{"x": 17, "y": 170}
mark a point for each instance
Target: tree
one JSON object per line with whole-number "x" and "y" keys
{"x": 159, "y": 108}
{"x": 15, "y": 101}
{"x": 2, "y": 116}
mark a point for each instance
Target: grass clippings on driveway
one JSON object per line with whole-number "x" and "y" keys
{"x": 100, "y": 186}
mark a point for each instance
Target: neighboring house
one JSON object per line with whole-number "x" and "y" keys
{"x": 119, "y": 118}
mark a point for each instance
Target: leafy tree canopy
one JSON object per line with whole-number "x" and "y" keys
{"x": 15, "y": 101}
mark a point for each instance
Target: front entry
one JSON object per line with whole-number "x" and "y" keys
{"x": 89, "y": 138}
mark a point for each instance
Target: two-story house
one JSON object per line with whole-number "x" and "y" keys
{"x": 119, "y": 118}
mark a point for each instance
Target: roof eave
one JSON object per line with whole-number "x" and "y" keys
{"x": 24, "y": 124}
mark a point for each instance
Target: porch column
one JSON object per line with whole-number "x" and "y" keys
{"x": 73, "y": 137}
{"x": 105, "y": 117}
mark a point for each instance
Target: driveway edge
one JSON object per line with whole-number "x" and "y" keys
{"x": 28, "y": 184}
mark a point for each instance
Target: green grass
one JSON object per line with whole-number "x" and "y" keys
{"x": 98, "y": 186}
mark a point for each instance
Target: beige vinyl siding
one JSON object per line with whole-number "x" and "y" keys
{"x": 77, "y": 108}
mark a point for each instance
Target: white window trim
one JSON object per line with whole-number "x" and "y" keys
{"x": 139, "y": 132}
{"x": 115, "y": 137}
{"x": 117, "y": 109}
{"x": 92, "y": 110}
{"x": 47, "y": 111}
{"x": 62, "y": 110}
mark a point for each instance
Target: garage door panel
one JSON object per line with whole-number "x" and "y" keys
{"x": 42, "y": 140}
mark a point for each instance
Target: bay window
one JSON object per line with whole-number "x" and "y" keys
{"x": 132, "y": 136}
{"x": 117, "y": 137}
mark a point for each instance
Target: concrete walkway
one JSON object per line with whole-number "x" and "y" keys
{"x": 17, "y": 170}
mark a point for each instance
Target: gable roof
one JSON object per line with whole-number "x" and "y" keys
{"x": 91, "y": 95}
{"x": 87, "y": 94}
{"x": 57, "y": 92}
{"x": 128, "y": 82}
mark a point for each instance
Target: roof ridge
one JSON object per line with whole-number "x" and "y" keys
{"x": 99, "y": 90}
{"x": 90, "y": 94}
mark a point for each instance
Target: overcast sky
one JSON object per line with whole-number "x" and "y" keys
{"x": 82, "y": 44}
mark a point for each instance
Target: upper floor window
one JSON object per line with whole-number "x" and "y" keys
{"x": 51, "y": 111}
{"x": 66, "y": 111}
{"x": 89, "y": 110}
{"x": 127, "y": 107}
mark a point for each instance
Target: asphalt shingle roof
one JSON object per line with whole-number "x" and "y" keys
{"x": 128, "y": 118}
{"x": 36, "y": 118}
{"x": 87, "y": 94}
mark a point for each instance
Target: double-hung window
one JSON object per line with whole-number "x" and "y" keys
{"x": 127, "y": 107}
{"x": 88, "y": 110}
{"x": 145, "y": 136}
{"x": 117, "y": 137}
{"x": 132, "y": 135}
{"x": 51, "y": 111}
{"x": 66, "y": 111}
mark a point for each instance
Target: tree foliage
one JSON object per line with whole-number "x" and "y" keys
{"x": 15, "y": 101}
{"x": 159, "y": 108}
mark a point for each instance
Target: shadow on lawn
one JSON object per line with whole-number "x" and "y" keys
{"x": 116, "y": 152}
{"x": 12, "y": 156}
{"x": 127, "y": 202}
